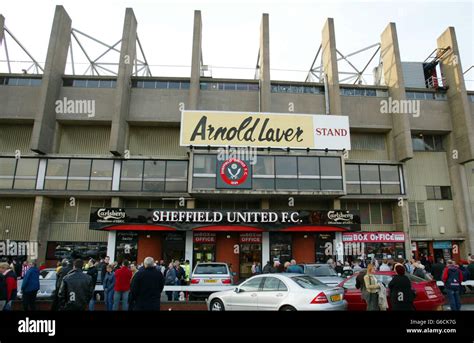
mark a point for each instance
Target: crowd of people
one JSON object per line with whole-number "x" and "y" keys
{"x": 128, "y": 286}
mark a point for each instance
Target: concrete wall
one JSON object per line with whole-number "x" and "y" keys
{"x": 18, "y": 102}
{"x": 434, "y": 116}
{"x": 157, "y": 105}
{"x": 303, "y": 103}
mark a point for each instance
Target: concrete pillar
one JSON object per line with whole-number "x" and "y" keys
{"x": 393, "y": 74}
{"x": 402, "y": 221}
{"x": 336, "y": 204}
{"x": 112, "y": 235}
{"x": 188, "y": 245}
{"x": 331, "y": 72}
{"x": 195, "y": 83}
{"x": 2, "y": 28}
{"x": 460, "y": 193}
{"x": 45, "y": 119}
{"x": 459, "y": 105}
{"x": 40, "y": 225}
{"x": 264, "y": 65}
{"x": 265, "y": 204}
{"x": 123, "y": 88}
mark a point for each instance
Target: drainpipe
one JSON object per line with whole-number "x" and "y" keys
{"x": 326, "y": 93}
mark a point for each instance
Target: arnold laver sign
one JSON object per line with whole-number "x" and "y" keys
{"x": 254, "y": 129}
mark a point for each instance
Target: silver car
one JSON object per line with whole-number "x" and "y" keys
{"x": 323, "y": 272}
{"x": 214, "y": 274}
{"x": 279, "y": 292}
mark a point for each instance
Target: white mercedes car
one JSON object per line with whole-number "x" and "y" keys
{"x": 279, "y": 292}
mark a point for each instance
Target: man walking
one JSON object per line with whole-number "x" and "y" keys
{"x": 147, "y": 285}
{"x": 452, "y": 278}
{"x": 76, "y": 289}
{"x": 123, "y": 276}
{"x": 30, "y": 287}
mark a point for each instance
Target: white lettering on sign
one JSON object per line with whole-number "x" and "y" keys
{"x": 381, "y": 237}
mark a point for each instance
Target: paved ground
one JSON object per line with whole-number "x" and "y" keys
{"x": 464, "y": 307}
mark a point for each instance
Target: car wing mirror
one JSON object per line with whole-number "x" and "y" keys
{"x": 237, "y": 290}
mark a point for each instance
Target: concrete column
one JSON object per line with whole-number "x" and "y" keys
{"x": 331, "y": 72}
{"x": 265, "y": 204}
{"x": 40, "y": 225}
{"x": 2, "y": 28}
{"x": 188, "y": 245}
{"x": 336, "y": 204}
{"x": 460, "y": 193}
{"x": 264, "y": 65}
{"x": 265, "y": 248}
{"x": 402, "y": 219}
{"x": 45, "y": 119}
{"x": 196, "y": 59}
{"x": 393, "y": 74}
{"x": 123, "y": 88}
{"x": 112, "y": 235}
{"x": 459, "y": 105}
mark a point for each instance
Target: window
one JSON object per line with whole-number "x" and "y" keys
{"x": 101, "y": 175}
{"x": 308, "y": 173}
{"x": 373, "y": 179}
{"x": 132, "y": 174}
{"x": 176, "y": 176}
{"x": 438, "y": 193}
{"x": 296, "y": 89}
{"x": 272, "y": 284}
{"x": 230, "y": 86}
{"x": 204, "y": 171}
{"x": 154, "y": 176}
{"x": 331, "y": 174}
{"x": 367, "y": 141}
{"x": 427, "y": 142}
{"x": 372, "y": 212}
{"x": 264, "y": 173}
{"x": 7, "y": 172}
{"x": 25, "y": 174}
{"x": 286, "y": 172}
{"x": 252, "y": 285}
{"x": 56, "y": 174}
{"x": 79, "y": 172}
{"x": 416, "y": 213}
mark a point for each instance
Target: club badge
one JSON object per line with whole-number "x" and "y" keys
{"x": 234, "y": 171}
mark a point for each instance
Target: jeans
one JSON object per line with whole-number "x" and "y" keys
{"x": 92, "y": 303}
{"x": 121, "y": 295}
{"x": 109, "y": 300}
{"x": 29, "y": 300}
{"x": 454, "y": 299}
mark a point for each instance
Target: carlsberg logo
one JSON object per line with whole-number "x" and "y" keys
{"x": 37, "y": 326}
{"x": 339, "y": 216}
{"x": 110, "y": 214}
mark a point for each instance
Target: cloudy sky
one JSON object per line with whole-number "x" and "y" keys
{"x": 231, "y": 31}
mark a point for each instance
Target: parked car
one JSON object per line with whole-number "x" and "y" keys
{"x": 428, "y": 296}
{"x": 279, "y": 292}
{"x": 209, "y": 274}
{"x": 48, "y": 285}
{"x": 323, "y": 272}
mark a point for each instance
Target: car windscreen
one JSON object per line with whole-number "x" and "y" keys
{"x": 308, "y": 282}
{"x": 320, "y": 270}
{"x": 414, "y": 278}
{"x": 211, "y": 269}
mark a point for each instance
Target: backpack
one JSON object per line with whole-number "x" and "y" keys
{"x": 452, "y": 282}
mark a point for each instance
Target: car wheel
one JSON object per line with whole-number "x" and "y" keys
{"x": 287, "y": 308}
{"x": 217, "y": 305}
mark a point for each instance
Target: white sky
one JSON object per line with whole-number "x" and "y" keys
{"x": 231, "y": 31}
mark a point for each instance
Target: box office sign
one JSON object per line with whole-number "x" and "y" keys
{"x": 187, "y": 219}
{"x": 204, "y": 237}
{"x": 256, "y": 129}
{"x": 250, "y": 238}
{"x": 374, "y": 237}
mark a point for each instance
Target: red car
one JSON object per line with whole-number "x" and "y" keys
{"x": 428, "y": 295}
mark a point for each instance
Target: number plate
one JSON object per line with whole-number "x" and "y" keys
{"x": 336, "y": 297}
{"x": 210, "y": 281}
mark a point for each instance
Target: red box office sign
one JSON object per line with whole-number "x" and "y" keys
{"x": 204, "y": 237}
{"x": 250, "y": 238}
{"x": 374, "y": 237}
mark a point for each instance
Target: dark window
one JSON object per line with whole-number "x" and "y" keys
{"x": 25, "y": 175}
{"x": 252, "y": 285}
{"x": 101, "y": 175}
{"x": 427, "y": 143}
{"x": 286, "y": 172}
{"x": 154, "y": 176}
{"x": 7, "y": 172}
{"x": 438, "y": 193}
{"x": 56, "y": 174}
{"x": 132, "y": 174}
{"x": 79, "y": 173}
{"x": 176, "y": 176}
{"x": 272, "y": 284}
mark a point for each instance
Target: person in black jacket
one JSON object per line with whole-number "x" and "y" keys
{"x": 66, "y": 267}
{"x": 3, "y": 291}
{"x": 76, "y": 289}
{"x": 437, "y": 269}
{"x": 93, "y": 272}
{"x": 146, "y": 288}
{"x": 401, "y": 293}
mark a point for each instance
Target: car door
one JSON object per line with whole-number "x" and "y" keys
{"x": 353, "y": 295}
{"x": 247, "y": 296}
{"x": 273, "y": 292}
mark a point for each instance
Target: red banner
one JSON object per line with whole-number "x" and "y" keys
{"x": 204, "y": 237}
{"x": 251, "y": 238}
{"x": 374, "y": 237}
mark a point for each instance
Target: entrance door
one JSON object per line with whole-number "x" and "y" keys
{"x": 173, "y": 246}
{"x": 204, "y": 253}
{"x": 249, "y": 253}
